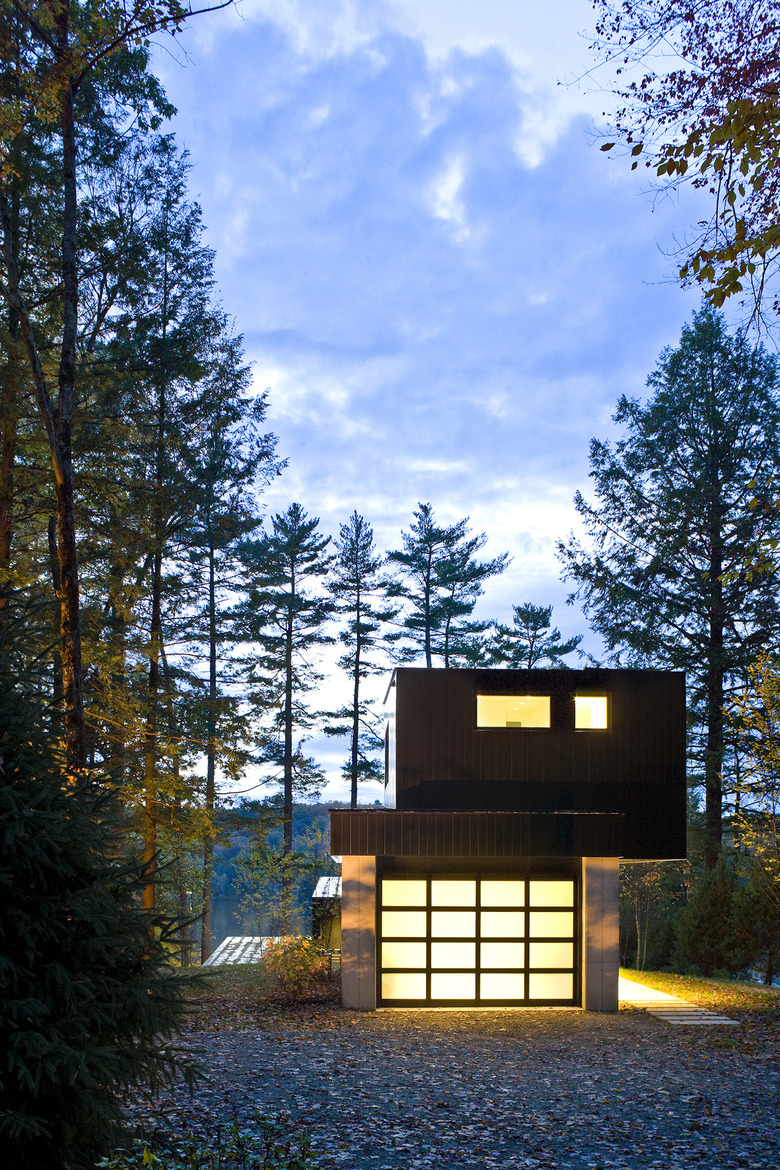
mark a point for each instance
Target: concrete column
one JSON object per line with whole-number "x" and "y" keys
{"x": 358, "y": 933}
{"x": 600, "y": 934}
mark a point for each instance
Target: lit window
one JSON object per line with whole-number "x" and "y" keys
{"x": 590, "y": 711}
{"x": 513, "y": 710}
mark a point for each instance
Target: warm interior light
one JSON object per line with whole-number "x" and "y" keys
{"x": 551, "y": 986}
{"x": 404, "y": 954}
{"x": 403, "y": 985}
{"x": 513, "y": 710}
{"x": 551, "y": 954}
{"x": 453, "y": 986}
{"x": 506, "y": 924}
{"x": 551, "y": 893}
{"x": 501, "y": 986}
{"x": 453, "y": 954}
{"x": 502, "y": 893}
{"x": 453, "y": 924}
{"x": 453, "y": 893}
{"x": 590, "y": 712}
{"x": 551, "y": 924}
{"x": 502, "y": 954}
{"x": 403, "y": 924}
{"x": 403, "y": 893}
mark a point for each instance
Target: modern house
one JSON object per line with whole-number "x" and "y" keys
{"x": 490, "y": 878}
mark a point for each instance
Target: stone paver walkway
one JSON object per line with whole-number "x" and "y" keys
{"x": 667, "y": 1007}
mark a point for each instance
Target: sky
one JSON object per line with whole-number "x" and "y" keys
{"x": 441, "y": 279}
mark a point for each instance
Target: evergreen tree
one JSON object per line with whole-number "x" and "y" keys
{"x": 529, "y": 641}
{"x": 89, "y": 1000}
{"x": 441, "y": 582}
{"x": 60, "y": 64}
{"x": 285, "y": 614}
{"x": 359, "y": 588}
{"x": 664, "y": 580}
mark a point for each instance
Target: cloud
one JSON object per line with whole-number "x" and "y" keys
{"x": 444, "y": 284}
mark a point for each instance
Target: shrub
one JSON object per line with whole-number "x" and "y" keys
{"x": 87, "y": 998}
{"x": 718, "y": 930}
{"x": 297, "y": 964}
{"x": 263, "y": 1143}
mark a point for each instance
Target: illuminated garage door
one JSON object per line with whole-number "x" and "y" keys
{"x": 483, "y": 940}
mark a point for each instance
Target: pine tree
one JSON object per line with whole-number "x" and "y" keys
{"x": 359, "y": 588}
{"x": 529, "y": 641}
{"x": 664, "y": 580}
{"x": 285, "y": 614}
{"x": 440, "y": 583}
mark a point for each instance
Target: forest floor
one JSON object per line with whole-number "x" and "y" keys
{"x": 429, "y": 1090}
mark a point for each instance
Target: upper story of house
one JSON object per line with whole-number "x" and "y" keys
{"x": 585, "y": 741}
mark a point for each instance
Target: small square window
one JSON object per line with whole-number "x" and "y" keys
{"x": 513, "y": 710}
{"x": 590, "y": 712}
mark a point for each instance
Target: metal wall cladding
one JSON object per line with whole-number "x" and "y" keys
{"x": 636, "y": 766}
{"x": 390, "y": 833}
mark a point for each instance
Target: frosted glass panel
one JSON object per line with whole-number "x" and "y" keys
{"x": 453, "y": 893}
{"x": 409, "y": 923}
{"x": 453, "y": 923}
{"x": 555, "y": 924}
{"x": 551, "y": 893}
{"x": 453, "y": 954}
{"x": 403, "y": 985}
{"x": 559, "y": 954}
{"x": 502, "y": 893}
{"x": 513, "y": 710}
{"x": 551, "y": 986}
{"x": 404, "y": 954}
{"x": 498, "y": 925}
{"x": 453, "y": 986}
{"x": 509, "y": 954}
{"x": 590, "y": 711}
{"x": 501, "y": 986}
{"x": 402, "y": 893}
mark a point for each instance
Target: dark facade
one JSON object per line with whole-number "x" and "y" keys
{"x": 438, "y": 758}
{"x": 491, "y": 876}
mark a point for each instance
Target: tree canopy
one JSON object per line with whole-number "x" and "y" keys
{"x": 704, "y": 109}
{"x": 662, "y": 577}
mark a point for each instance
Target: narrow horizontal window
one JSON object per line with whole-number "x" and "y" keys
{"x": 404, "y": 924}
{"x": 551, "y": 986}
{"x": 453, "y": 986}
{"x": 502, "y": 986}
{"x": 453, "y": 893}
{"x": 513, "y": 710}
{"x": 590, "y": 712}
{"x": 403, "y": 985}
{"x": 404, "y": 893}
{"x": 405, "y": 954}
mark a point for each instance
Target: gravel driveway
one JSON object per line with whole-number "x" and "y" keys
{"x": 425, "y": 1089}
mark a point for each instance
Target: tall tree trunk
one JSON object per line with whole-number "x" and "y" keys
{"x": 57, "y": 684}
{"x": 713, "y": 753}
{"x": 211, "y": 762}
{"x": 58, "y": 420}
{"x": 72, "y": 668}
{"x": 287, "y": 811}
{"x": 150, "y": 755}
{"x": 174, "y": 736}
{"x": 355, "y": 746}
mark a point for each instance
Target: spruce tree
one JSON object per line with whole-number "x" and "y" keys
{"x": 663, "y": 577}
{"x": 89, "y": 1001}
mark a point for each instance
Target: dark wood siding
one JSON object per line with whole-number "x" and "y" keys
{"x": 388, "y": 833}
{"x": 635, "y": 767}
